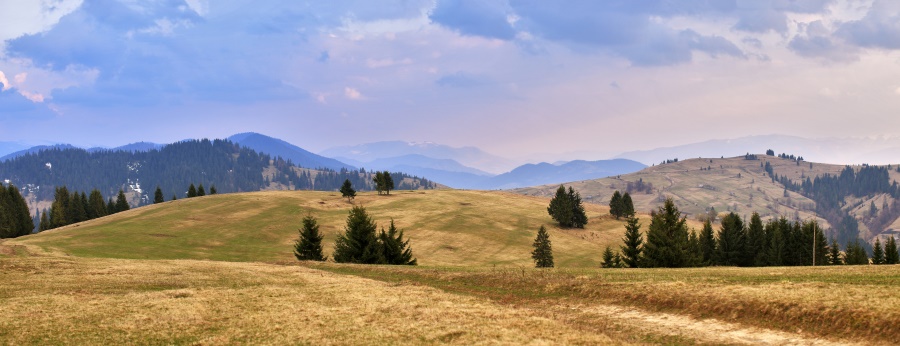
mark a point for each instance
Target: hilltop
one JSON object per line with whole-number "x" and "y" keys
{"x": 445, "y": 227}
{"x": 734, "y": 184}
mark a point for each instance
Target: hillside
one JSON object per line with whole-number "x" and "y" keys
{"x": 276, "y": 147}
{"x": 726, "y": 184}
{"x": 445, "y": 227}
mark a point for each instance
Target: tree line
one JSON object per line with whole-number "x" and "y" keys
{"x": 74, "y": 207}
{"x": 15, "y": 219}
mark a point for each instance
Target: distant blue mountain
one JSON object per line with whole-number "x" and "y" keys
{"x": 467, "y": 156}
{"x": 35, "y": 150}
{"x": 7, "y": 148}
{"x": 288, "y": 151}
{"x": 139, "y": 147}
{"x": 545, "y": 173}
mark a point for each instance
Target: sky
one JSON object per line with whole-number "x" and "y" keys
{"x": 512, "y": 77}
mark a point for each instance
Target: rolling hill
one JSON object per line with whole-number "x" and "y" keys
{"x": 445, "y": 227}
{"x": 726, "y": 184}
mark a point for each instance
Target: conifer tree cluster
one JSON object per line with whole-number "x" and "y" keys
{"x": 621, "y": 205}
{"x": 73, "y": 207}
{"x": 361, "y": 244}
{"x": 543, "y": 251}
{"x": 15, "y": 218}
{"x": 778, "y": 242}
{"x": 383, "y": 182}
{"x": 567, "y": 209}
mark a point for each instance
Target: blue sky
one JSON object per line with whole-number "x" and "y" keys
{"x": 513, "y": 77}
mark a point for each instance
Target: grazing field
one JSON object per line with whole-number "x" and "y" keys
{"x": 445, "y": 227}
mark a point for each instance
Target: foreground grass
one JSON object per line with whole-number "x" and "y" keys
{"x": 52, "y": 300}
{"x": 445, "y": 227}
{"x": 847, "y": 302}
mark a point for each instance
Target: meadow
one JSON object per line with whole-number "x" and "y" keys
{"x": 219, "y": 270}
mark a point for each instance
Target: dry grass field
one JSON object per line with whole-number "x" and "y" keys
{"x": 219, "y": 270}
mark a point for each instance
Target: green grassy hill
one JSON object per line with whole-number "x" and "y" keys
{"x": 445, "y": 227}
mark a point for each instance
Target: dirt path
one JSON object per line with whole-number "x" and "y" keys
{"x": 708, "y": 330}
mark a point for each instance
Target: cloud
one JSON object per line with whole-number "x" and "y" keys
{"x": 352, "y": 94}
{"x": 815, "y": 41}
{"x": 880, "y": 28}
{"x": 475, "y": 18}
{"x": 4, "y": 81}
{"x": 16, "y": 107}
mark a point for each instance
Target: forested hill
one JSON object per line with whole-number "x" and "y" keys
{"x": 220, "y": 163}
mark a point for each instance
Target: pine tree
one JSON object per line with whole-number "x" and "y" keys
{"x": 45, "y": 221}
{"x": 631, "y": 251}
{"x": 388, "y": 182}
{"x": 15, "y": 219}
{"x": 158, "y": 196}
{"x": 359, "y": 243}
{"x": 707, "y": 243}
{"x": 667, "y": 238}
{"x": 201, "y": 191}
{"x": 610, "y": 259}
{"x": 394, "y": 249}
{"x": 560, "y": 208}
{"x": 111, "y": 207}
{"x": 730, "y": 247}
{"x": 579, "y": 217}
{"x": 308, "y": 246}
{"x": 96, "y": 205}
{"x": 694, "y": 255}
{"x": 212, "y": 190}
{"x": 192, "y": 191}
{"x": 543, "y": 252}
{"x": 121, "y": 202}
{"x": 891, "y": 256}
{"x": 877, "y": 252}
{"x": 834, "y": 253}
{"x": 775, "y": 242}
{"x": 855, "y": 254}
{"x": 627, "y": 205}
{"x": 615, "y": 205}
{"x": 379, "y": 182}
{"x": 58, "y": 213}
{"x": 347, "y": 190}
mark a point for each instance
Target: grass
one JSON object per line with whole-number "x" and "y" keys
{"x": 445, "y": 227}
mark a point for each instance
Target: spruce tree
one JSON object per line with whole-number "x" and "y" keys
{"x": 394, "y": 249}
{"x": 96, "y": 205}
{"x": 560, "y": 208}
{"x": 627, "y": 205}
{"x": 707, "y": 243}
{"x": 543, "y": 252}
{"x": 58, "y": 214}
{"x": 359, "y": 243}
{"x": 610, "y": 259}
{"x": 121, "y": 202}
{"x": 754, "y": 249}
{"x": 667, "y": 238}
{"x": 877, "y": 252}
{"x": 834, "y": 253}
{"x": 730, "y": 246}
{"x": 192, "y": 191}
{"x": 891, "y": 256}
{"x": 158, "y": 196}
{"x": 615, "y": 205}
{"x": 631, "y": 251}
{"x": 347, "y": 190}
{"x": 45, "y": 221}
{"x": 579, "y": 217}
{"x": 110, "y": 207}
{"x": 694, "y": 255}
{"x": 855, "y": 254}
{"x": 775, "y": 242}
{"x": 308, "y": 246}
{"x": 15, "y": 219}
{"x": 201, "y": 191}
{"x": 212, "y": 190}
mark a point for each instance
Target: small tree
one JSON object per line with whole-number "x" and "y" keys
{"x": 610, "y": 259}
{"x": 201, "y": 191}
{"x": 834, "y": 253}
{"x": 543, "y": 252}
{"x": 388, "y": 182}
{"x": 192, "y": 191}
{"x": 212, "y": 190}
{"x": 158, "y": 196}
{"x": 877, "y": 252}
{"x": 566, "y": 208}
{"x": 121, "y": 202}
{"x": 394, "y": 249}
{"x": 359, "y": 243}
{"x": 308, "y": 246}
{"x": 891, "y": 256}
{"x": 631, "y": 251}
{"x": 627, "y": 205}
{"x": 347, "y": 190}
{"x": 615, "y": 205}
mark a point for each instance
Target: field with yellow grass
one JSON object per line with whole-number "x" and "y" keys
{"x": 219, "y": 270}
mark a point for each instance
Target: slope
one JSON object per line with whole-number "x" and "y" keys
{"x": 445, "y": 227}
{"x": 276, "y": 147}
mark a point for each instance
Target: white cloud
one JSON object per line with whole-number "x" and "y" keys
{"x": 20, "y": 78}
{"x": 29, "y": 17}
{"x": 352, "y": 93}
{"x": 34, "y": 97}
{"x": 4, "y": 81}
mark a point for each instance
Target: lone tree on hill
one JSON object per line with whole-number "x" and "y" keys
{"x": 566, "y": 208}
{"x": 631, "y": 251}
{"x": 615, "y": 205}
{"x": 394, "y": 249}
{"x": 891, "y": 256}
{"x": 158, "y": 196}
{"x": 667, "y": 239}
{"x": 347, "y": 190}
{"x": 308, "y": 246}
{"x": 383, "y": 182}
{"x": 543, "y": 252}
{"x": 121, "y": 202}
{"x": 359, "y": 243}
